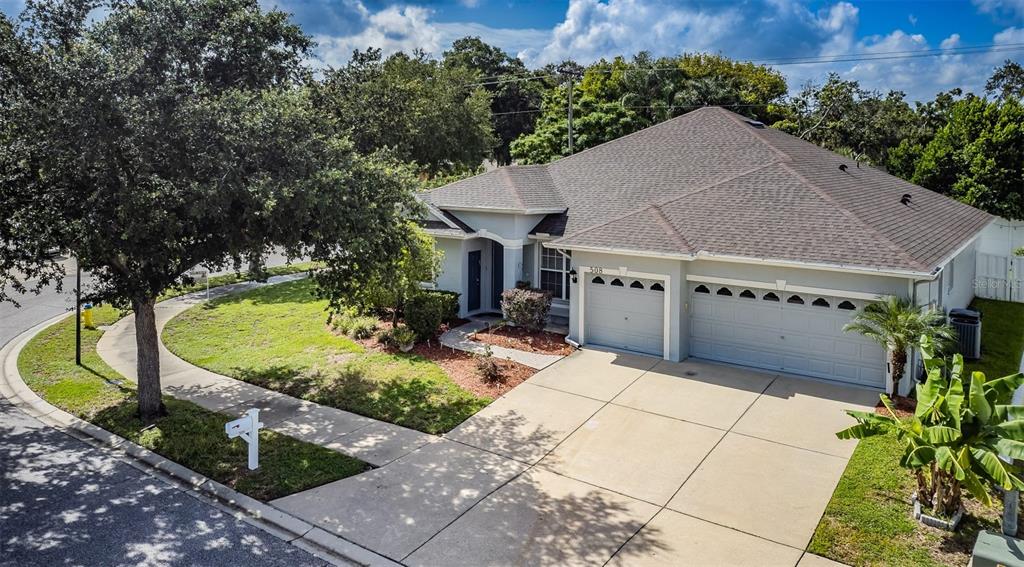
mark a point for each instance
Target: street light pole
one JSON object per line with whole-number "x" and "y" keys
{"x": 571, "y": 73}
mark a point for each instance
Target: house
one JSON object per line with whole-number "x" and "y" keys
{"x": 711, "y": 236}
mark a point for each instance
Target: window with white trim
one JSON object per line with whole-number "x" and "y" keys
{"x": 554, "y": 273}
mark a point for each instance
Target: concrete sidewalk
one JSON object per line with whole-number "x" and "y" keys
{"x": 373, "y": 441}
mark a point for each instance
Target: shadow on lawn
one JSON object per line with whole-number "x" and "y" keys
{"x": 413, "y": 402}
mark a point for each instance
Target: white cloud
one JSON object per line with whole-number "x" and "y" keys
{"x": 391, "y": 30}
{"x": 1011, "y": 8}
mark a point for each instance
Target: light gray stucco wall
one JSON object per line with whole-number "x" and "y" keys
{"x": 864, "y": 283}
{"x": 530, "y": 264}
{"x": 962, "y": 268}
{"x": 452, "y": 267}
{"x": 508, "y": 226}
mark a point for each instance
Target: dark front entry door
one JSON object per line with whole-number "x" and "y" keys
{"x": 497, "y": 274}
{"x": 473, "y": 301}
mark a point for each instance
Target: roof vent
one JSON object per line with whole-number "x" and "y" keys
{"x": 842, "y": 167}
{"x": 756, "y": 124}
{"x": 905, "y": 199}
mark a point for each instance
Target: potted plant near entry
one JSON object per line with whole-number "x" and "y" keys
{"x": 897, "y": 324}
{"x": 964, "y": 436}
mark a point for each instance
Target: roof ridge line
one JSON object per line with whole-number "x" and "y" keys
{"x": 680, "y": 239}
{"x": 668, "y": 200}
{"x": 514, "y": 190}
{"x": 828, "y": 198}
{"x": 754, "y": 134}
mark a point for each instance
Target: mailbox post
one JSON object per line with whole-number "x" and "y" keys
{"x": 248, "y": 428}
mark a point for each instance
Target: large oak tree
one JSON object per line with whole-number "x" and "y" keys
{"x": 149, "y": 136}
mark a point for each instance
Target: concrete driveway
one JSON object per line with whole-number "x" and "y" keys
{"x": 614, "y": 457}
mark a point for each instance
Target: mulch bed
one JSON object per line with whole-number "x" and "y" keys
{"x": 903, "y": 405}
{"x": 459, "y": 365}
{"x": 544, "y": 342}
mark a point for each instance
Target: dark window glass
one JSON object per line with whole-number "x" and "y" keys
{"x": 795, "y": 300}
{"x": 551, "y": 282}
{"x": 657, "y": 287}
{"x": 770, "y": 297}
{"x": 701, "y": 289}
{"x": 821, "y": 302}
{"x": 636, "y": 285}
{"x": 724, "y": 291}
{"x": 617, "y": 282}
{"x": 848, "y": 306}
{"x": 598, "y": 280}
{"x": 748, "y": 294}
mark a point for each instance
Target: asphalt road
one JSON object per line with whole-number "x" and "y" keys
{"x": 65, "y": 502}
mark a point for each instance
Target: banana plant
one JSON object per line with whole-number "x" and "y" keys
{"x": 958, "y": 432}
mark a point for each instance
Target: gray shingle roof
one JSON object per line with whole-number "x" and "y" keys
{"x": 712, "y": 182}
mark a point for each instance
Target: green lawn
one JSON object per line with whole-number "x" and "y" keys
{"x": 1002, "y": 337}
{"x": 189, "y": 435}
{"x": 868, "y": 520}
{"x": 277, "y": 337}
{"x": 226, "y": 279}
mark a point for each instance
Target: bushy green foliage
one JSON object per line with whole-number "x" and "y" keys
{"x": 450, "y": 302}
{"x": 488, "y": 366}
{"x": 424, "y": 313}
{"x": 351, "y": 323}
{"x": 957, "y": 434}
{"x": 527, "y": 308}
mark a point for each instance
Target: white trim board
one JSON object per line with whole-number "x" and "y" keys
{"x": 582, "y": 271}
{"x": 782, "y": 285}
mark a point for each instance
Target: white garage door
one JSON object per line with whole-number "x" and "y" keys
{"x": 625, "y": 313}
{"x": 793, "y": 332}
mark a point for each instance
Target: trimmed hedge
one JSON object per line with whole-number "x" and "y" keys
{"x": 450, "y": 300}
{"x": 527, "y": 308}
{"x": 424, "y": 313}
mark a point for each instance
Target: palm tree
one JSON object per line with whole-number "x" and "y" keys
{"x": 897, "y": 324}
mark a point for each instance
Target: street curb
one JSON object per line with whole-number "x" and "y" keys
{"x": 326, "y": 546}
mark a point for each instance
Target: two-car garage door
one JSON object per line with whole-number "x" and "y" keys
{"x": 792, "y": 332}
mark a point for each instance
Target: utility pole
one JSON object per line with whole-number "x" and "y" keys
{"x": 78, "y": 312}
{"x": 570, "y": 72}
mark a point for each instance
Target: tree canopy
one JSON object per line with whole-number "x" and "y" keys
{"x": 420, "y": 110}
{"x": 171, "y": 133}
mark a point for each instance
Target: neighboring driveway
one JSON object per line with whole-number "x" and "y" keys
{"x": 611, "y": 456}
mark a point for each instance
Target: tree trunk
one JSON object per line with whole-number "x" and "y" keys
{"x": 898, "y": 359}
{"x": 151, "y": 405}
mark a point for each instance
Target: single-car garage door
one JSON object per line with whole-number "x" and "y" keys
{"x": 625, "y": 313}
{"x": 793, "y": 332}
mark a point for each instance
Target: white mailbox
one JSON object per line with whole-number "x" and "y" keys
{"x": 248, "y": 428}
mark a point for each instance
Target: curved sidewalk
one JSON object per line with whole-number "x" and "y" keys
{"x": 371, "y": 440}
{"x": 461, "y": 338}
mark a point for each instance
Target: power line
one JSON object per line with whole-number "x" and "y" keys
{"x": 809, "y": 60}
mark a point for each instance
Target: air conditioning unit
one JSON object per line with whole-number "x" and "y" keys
{"x": 967, "y": 323}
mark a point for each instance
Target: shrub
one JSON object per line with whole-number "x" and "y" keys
{"x": 488, "y": 366}
{"x": 527, "y": 308}
{"x": 350, "y": 323}
{"x": 424, "y": 313}
{"x": 403, "y": 336}
{"x": 450, "y": 301}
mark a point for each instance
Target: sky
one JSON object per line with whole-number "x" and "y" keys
{"x": 934, "y": 32}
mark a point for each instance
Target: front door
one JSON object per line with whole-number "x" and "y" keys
{"x": 497, "y": 274}
{"x": 473, "y": 301}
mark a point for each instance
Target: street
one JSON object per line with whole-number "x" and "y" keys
{"x": 65, "y": 502}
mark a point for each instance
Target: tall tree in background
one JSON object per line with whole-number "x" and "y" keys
{"x": 413, "y": 106}
{"x": 1007, "y": 81}
{"x": 978, "y": 156}
{"x": 622, "y": 96}
{"x": 514, "y": 97}
{"x": 169, "y": 133}
{"x": 843, "y": 117}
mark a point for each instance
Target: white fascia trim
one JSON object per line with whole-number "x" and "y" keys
{"x": 813, "y": 266}
{"x": 440, "y": 215}
{"x": 782, "y": 285}
{"x": 582, "y": 271}
{"x": 507, "y": 211}
{"x": 465, "y": 236}
{"x": 540, "y": 236}
{"x": 621, "y": 251}
{"x": 507, "y": 243}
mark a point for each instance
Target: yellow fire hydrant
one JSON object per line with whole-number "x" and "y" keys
{"x": 87, "y": 315}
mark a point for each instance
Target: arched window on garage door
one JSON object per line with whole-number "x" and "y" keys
{"x": 657, "y": 287}
{"x": 598, "y": 280}
{"x": 770, "y": 296}
{"x": 821, "y": 302}
{"x": 701, "y": 289}
{"x": 747, "y": 294}
{"x": 636, "y": 285}
{"x": 617, "y": 282}
{"x": 795, "y": 300}
{"x": 847, "y": 306}
{"x": 724, "y": 291}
